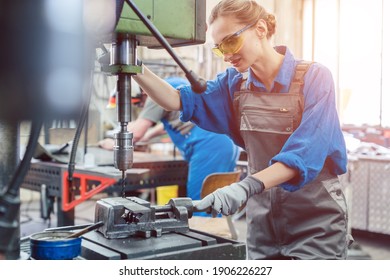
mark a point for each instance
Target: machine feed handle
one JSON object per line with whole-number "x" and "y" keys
{"x": 198, "y": 85}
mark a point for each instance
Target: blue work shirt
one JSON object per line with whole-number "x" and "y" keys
{"x": 318, "y": 137}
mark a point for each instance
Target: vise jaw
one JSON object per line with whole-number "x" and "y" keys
{"x": 132, "y": 216}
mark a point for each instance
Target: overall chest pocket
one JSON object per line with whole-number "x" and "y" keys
{"x": 267, "y": 119}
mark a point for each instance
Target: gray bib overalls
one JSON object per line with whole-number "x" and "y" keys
{"x": 310, "y": 223}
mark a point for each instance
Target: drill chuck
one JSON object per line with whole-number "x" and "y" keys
{"x": 123, "y": 150}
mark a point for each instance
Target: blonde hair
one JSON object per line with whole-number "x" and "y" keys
{"x": 245, "y": 11}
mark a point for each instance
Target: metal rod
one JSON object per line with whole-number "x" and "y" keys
{"x": 87, "y": 229}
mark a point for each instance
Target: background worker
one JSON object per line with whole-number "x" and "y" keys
{"x": 206, "y": 152}
{"x": 289, "y": 127}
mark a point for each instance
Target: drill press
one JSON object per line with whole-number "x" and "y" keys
{"x": 133, "y": 29}
{"x": 123, "y": 54}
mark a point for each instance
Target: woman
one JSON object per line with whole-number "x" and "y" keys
{"x": 282, "y": 112}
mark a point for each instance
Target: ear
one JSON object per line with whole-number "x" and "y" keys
{"x": 261, "y": 29}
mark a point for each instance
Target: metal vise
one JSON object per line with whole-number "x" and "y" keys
{"x": 132, "y": 216}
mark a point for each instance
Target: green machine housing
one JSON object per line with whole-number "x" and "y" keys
{"x": 181, "y": 22}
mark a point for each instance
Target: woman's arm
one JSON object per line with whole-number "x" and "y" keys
{"x": 159, "y": 90}
{"x": 275, "y": 174}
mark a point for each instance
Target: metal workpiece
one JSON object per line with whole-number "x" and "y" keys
{"x": 132, "y": 216}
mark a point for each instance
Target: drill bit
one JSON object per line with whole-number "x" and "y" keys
{"x": 123, "y": 184}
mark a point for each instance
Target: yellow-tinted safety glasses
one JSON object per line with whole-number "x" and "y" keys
{"x": 231, "y": 44}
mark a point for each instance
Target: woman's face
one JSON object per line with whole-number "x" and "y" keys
{"x": 238, "y": 50}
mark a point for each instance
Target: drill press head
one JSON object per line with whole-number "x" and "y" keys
{"x": 181, "y": 22}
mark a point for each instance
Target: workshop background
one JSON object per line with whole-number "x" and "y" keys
{"x": 351, "y": 37}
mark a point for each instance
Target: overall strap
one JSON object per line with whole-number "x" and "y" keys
{"x": 298, "y": 81}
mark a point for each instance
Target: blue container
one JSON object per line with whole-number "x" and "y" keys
{"x": 54, "y": 245}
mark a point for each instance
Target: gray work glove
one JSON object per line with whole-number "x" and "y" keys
{"x": 229, "y": 199}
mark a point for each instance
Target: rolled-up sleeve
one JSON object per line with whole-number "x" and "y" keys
{"x": 187, "y": 103}
{"x": 318, "y": 135}
{"x": 213, "y": 109}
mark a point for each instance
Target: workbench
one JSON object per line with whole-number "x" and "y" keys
{"x": 148, "y": 172}
{"x": 192, "y": 245}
